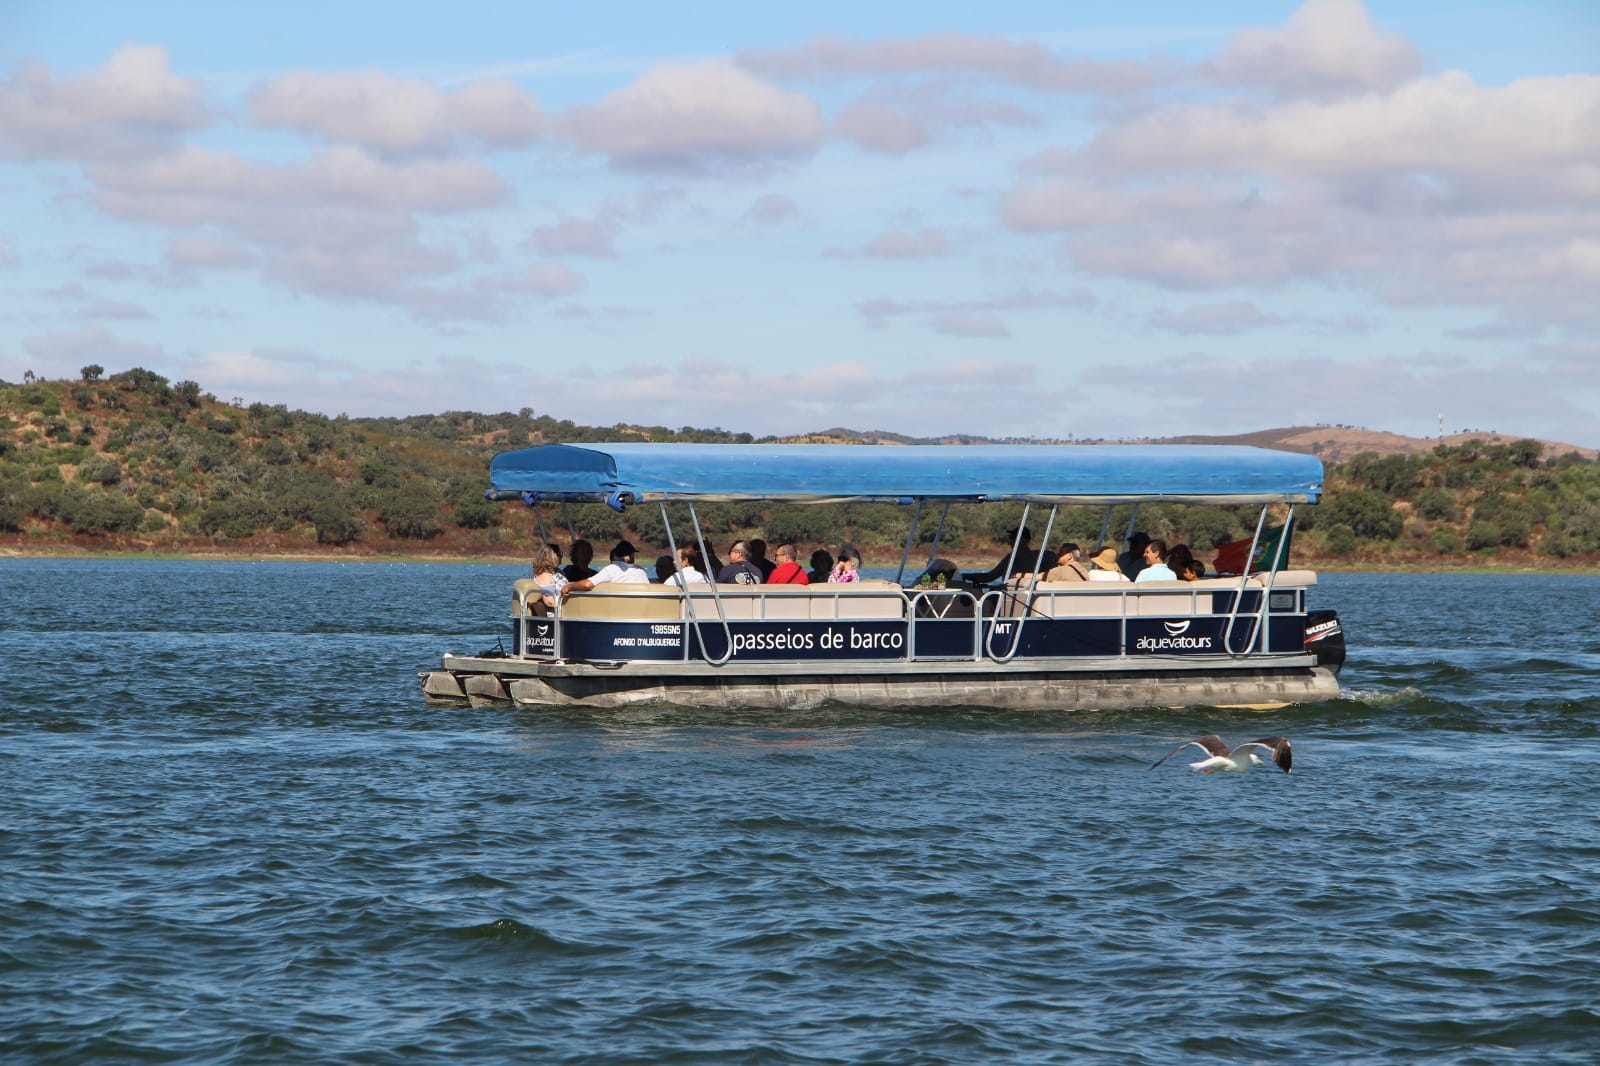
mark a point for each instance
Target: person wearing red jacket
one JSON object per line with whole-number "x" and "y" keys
{"x": 788, "y": 571}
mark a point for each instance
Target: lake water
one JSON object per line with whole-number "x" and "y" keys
{"x": 231, "y": 830}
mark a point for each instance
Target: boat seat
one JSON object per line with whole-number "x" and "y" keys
{"x": 625, "y": 602}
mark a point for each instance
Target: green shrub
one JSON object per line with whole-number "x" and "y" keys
{"x": 1206, "y": 527}
{"x": 1341, "y": 539}
{"x": 1438, "y": 505}
{"x": 97, "y": 512}
{"x": 234, "y": 518}
{"x": 101, "y": 470}
{"x": 141, "y": 380}
{"x": 379, "y": 474}
{"x": 412, "y": 517}
{"x": 1444, "y": 542}
{"x": 1482, "y": 535}
{"x": 475, "y": 512}
{"x": 1366, "y": 512}
{"x": 1558, "y": 545}
{"x": 1392, "y": 475}
{"x": 336, "y": 522}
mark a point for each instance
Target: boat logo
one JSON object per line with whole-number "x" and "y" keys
{"x": 1177, "y": 629}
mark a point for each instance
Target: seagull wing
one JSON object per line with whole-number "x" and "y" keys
{"x": 1211, "y": 744}
{"x": 1282, "y": 757}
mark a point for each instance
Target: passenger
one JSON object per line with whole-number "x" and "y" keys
{"x": 821, "y": 564}
{"x": 740, "y": 571}
{"x": 664, "y": 569}
{"x": 545, "y": 561}
{"x": 582, "y": 556}
{"x": 1132, "y": 560}
{"x": 759, "y": 560}
{"x": 1155, "y": 563}
{"x": 1026, "y": 560}
{"x": 1069, "y": 565}
{"x": 1178, "y": 559}
{"x": 1106, "y": 568}
{"x": 689, "y": 572}
{"x": 788, "y": 571}
{"x": 620, "y": 571}
{"x": 1196, "y": 570}
{"x": 848, "y": 568}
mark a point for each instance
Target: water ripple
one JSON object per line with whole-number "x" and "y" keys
{"x": 234, "y": 833}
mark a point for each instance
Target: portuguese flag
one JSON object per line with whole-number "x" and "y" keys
{"x": 1233, "y": 557}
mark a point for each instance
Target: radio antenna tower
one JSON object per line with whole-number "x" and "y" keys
{"x": 1441, "y": 427}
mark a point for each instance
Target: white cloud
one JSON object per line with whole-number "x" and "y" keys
{"x": 574, "y": 236}
{"x": 1328, "y": 47}
{"x": 547, "y": 280}
{"x": 924, "y": 243}
{"x": 1440, "y": 191}
{"x": 977, "y": 315}
{"x": 773, "y": 209}
{"x": 341, "y": 176}
{"x": 696, "y": 117}
{"x": 901, "y": 119}
{"x": 383, "y": 113}
{"x": 935, "y": 398}
{"x": 343, "y": 224}
{"x": 1218, "y": 320}
{"x": 188, "y": 252}
{"x": 62, "y": 353}
{"x": 133, "y": 106}
{"x": 1024, "y": 63}
{"x": 1526, "y": 390}
{"x": 1447, "y": 124}
{"x": 1499, "y": 331}
{"x": 969, "y": 324}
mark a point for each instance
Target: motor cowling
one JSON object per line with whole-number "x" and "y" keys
{"x": 1325, "y": 638}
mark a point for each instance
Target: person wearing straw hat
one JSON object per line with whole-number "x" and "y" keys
{"x": 1105, "y": 567}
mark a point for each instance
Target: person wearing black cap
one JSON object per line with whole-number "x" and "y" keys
{"x": 1025, "y": 561}
{"x": 620, "y": 571}
{"x": 1132, "y": 561}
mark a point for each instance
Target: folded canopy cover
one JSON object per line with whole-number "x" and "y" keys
{"x": 815, "y": 473}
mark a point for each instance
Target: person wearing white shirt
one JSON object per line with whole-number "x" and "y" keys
{"x": 688, "y": 570}
{"x": 620, "y": 571}
{"x": 1155, "y": 563}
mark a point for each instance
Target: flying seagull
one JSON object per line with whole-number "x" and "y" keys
{"x": 1221, "y": 757}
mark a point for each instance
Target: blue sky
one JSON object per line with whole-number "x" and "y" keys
{"x": 1008, "y": 219}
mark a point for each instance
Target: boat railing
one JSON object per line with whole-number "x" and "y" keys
{"x": 997, "y": 617}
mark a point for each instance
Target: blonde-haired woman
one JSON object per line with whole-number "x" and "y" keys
{"x": 546, "y": 561}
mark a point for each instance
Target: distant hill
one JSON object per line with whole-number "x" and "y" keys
{"x": 1331, "y": 444}
{"x": 132, "y": 462}
{"x": 1339, "y": 444}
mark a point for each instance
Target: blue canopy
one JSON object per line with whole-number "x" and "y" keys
{"x": 817, "y": 473}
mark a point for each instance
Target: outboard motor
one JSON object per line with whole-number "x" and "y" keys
{"x": 1325, "y": 639}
